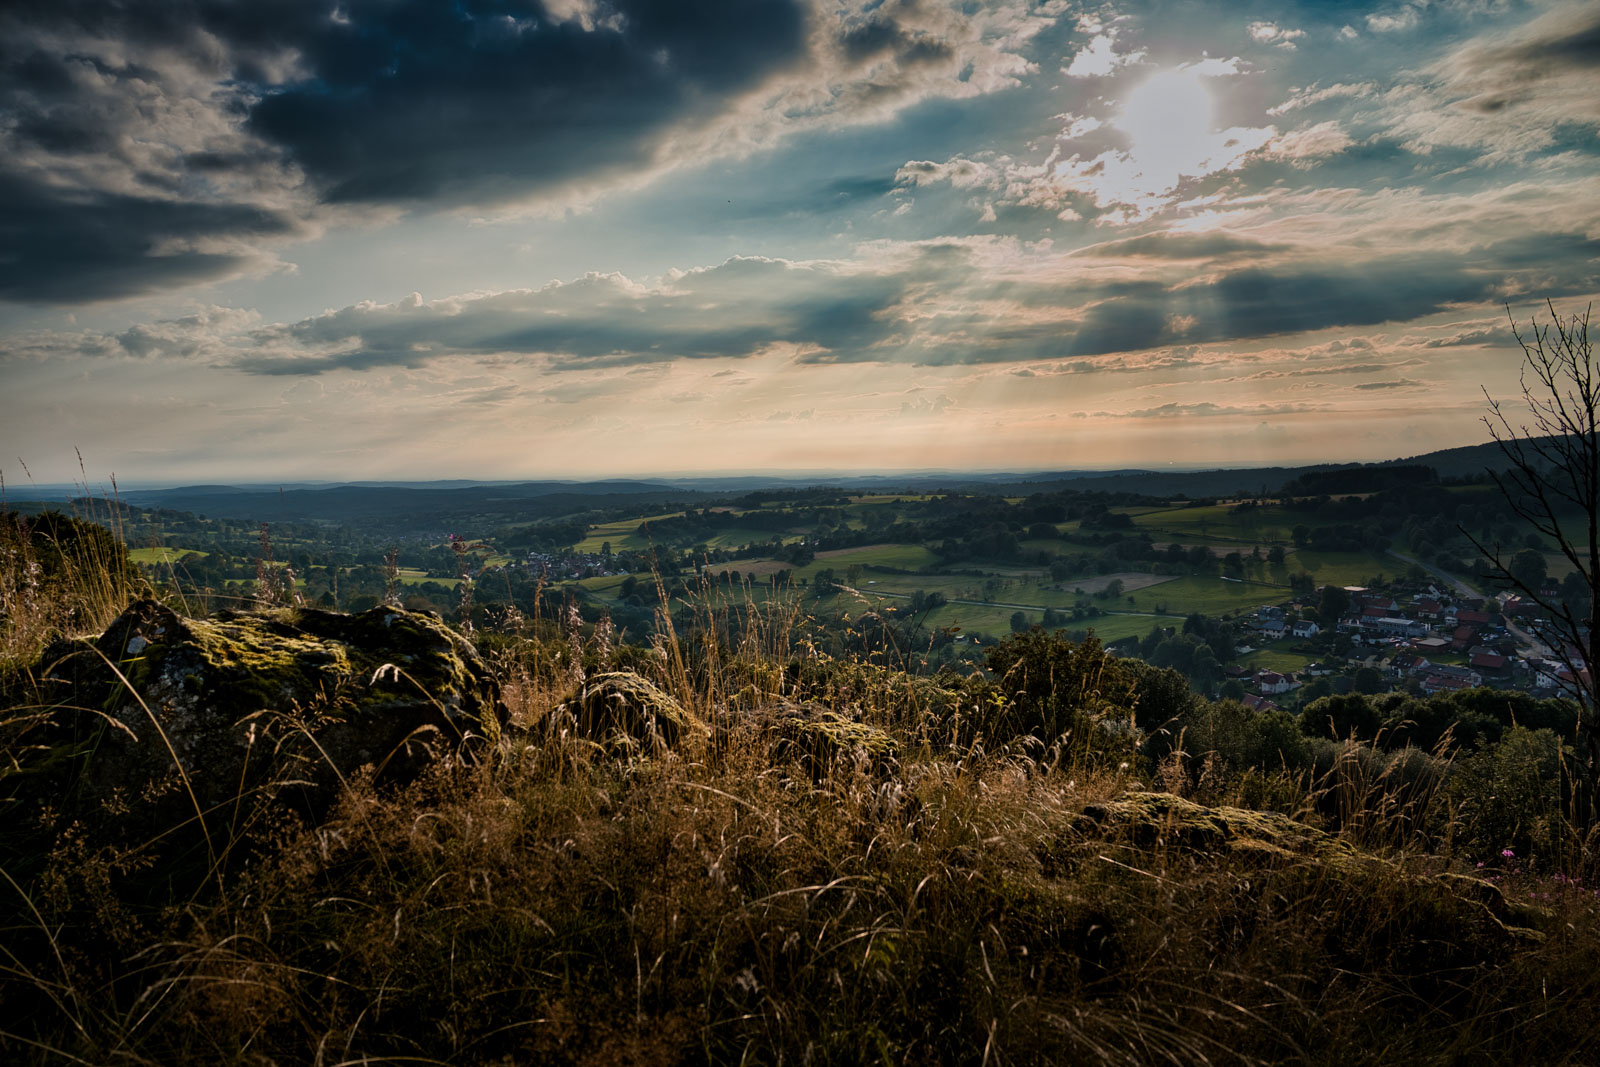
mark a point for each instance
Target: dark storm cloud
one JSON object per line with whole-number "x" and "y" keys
{"x": 115, "y": 179}
{"x": 943, "y": 303}
{"x": 60, "y": 248}
{"x": 150, "y": 145}
{"x": 1167, "y": 245}
{"x": 1512, "y": 72}
{"x": 732, "y": 311}
{"x": 425, "y": 101}
{"x": 241, "y": 116}
{"x": 1398, "y": 383}
{"x": 1086, "y": 319}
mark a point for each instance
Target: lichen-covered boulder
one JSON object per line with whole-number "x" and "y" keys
{"x": 818, "y": 735}
{"x": 199, "y": 713}
{"x": 627, "y": 707}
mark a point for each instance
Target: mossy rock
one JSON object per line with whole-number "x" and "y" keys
{"x": 627, "y": 707}
{"x": 818, "y": 736}
{"x": 203, "y": 711}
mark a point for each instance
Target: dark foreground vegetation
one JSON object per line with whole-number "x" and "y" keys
{"x": 729, "y": 844}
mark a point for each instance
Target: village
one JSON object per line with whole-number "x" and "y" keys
{"x": 1424, "y": 643}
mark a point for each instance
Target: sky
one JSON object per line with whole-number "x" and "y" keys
{"x": 285, "y": 240}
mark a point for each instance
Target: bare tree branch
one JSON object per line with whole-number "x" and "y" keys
{"x": 1552, "y": 482}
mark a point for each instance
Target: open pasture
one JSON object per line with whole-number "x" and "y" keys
{"x": 1343, "y": 568}
{"x": 1277, "y": 659}
{"x": 900, "y": 557}
{"x": 1205, "y": 594}
{"x": 623, "y": 535}
{"x": 161, "y": 554}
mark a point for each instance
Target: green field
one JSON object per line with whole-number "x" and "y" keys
{"x": 410, "y": 576}
{"x": 1218, "y": 523}
{"x": 996, "y": 622}
{"x": 1205, "y": 594}
{"x": 623, "y": 535}
{"x": 161, "y": 554}
{"x": 735, "y": 536}
{"x": 1344, "y": 568}
{"x": 1275, "y": 659}
{"x": 899, "y": 557}
{"x": 1227, "y": 524}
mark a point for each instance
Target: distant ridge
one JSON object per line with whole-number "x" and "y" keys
{"x": 522, "y": 500}
{"x": 332, "y": 503}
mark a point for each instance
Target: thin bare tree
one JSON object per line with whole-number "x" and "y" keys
{"x": 1552, "y": 482}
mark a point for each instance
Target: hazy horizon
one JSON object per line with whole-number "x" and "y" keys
{"x": 104, "y": 486}
{"x": 592, "y": 238}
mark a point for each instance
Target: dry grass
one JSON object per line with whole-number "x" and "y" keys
{"x": 564, "y": 901}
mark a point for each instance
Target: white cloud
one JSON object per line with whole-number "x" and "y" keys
{"x": 1395, "y": 21}
{"x": 1272, "y": 33}
{"x": 1310, "y": 95}
{"x": 1100, "y": 59}
{"x": 1309, "y": 143}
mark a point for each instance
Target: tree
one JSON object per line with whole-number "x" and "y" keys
{"x": 1552, "y": 482}
{"x": 1528, "y": 568}
{"x": 1369, "y": 680}
{"x": 1332, "y": 605}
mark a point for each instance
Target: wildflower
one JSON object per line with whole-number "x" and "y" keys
{"x": 1508, "y": 854}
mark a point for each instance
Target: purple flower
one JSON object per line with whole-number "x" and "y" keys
{"x": 1508, "y": 854}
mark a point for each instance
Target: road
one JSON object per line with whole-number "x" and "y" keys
{"x": 1453, "y": 582}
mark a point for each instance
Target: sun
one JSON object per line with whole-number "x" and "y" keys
{"x": 1169, "y": 126}
{"x": 1168, "y": 120}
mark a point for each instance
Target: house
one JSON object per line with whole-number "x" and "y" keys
{"x": 1255, "y": 703}
{"x": 1272, "y": 682}
{"x": 1433, "y": 682}
{"x": 1519, "y": 607}
{"x": 1429, "y": 608}
{"x": 1463, "y": 638}
{"x": 1404, "y": 664}
{"x": 1306, "y": 628}
{"x": 1269, "y": 621}
{"x": 1439, "y": 678}
{"x": 1490, "y": 663}
{"x": 1468, "y": 617}
{"x": 1396, "y": 626}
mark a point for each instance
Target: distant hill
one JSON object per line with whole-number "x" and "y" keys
{"x": 511, "y": 501}
{"x": 423, "y": 502}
